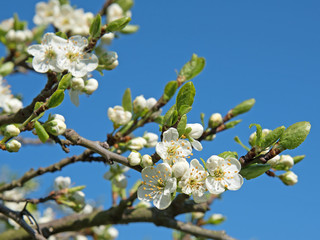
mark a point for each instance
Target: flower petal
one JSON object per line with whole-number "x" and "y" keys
{"x": 235, "y": 183}
{"x": 196, "y": 145}
{"x": 213, "y": 162}
{"x": 171, "y": 134}
{"x": 162, "y": 201}
{"x": 74, "y": 97}
{"x": 213, "y": 186}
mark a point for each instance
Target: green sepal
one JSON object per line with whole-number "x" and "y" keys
{"x": 76, "y": 189}
{"x": 6, "y": 68}
{"x": 202, "y": 119}
{"x": 41, "y": 132}
{"x": 258, "y": 133}
{"x": 185, "y": 97}
{"x": 254, "y": 170}
{"x": 272, "y": 137}
{"x": 294, "y": 135}
{"x": 237, "y": 140}
{"x": 170, "y": 90}
{"x": 95, "y": 27}
{"x": 29, "y": 60}
{"x": 65, "y": 81}
{"x": 17, "y": 24}
{"x": 118, "y": 24}
{"x": 232, "y": 124}
{"x": 299, "y": 158}
{"x": 193, "y": 67}
{"x": 56, "y": 99}
{"x": 243, "y": 107}
{"x": 182, "y": 125}
{"x": 228, "y": 154}
{"x": 127, "y": 100}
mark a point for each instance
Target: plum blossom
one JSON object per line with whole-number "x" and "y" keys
{"x": 8, "y": 103}
{"x": 224, "y": 174}
{"x": 119, "y": 116}
{"x": 193, "y": 181}
{"x": 157, "y": 185}
{"x": 151, "y": 138}
{"x": 46, "y": 12}
{"x": 172, "y": 149}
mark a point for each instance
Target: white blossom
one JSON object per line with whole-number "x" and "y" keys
{"x": 57, "y": 116}
{"x": 114, "y": 12}
{"x": 180, "y": 168}
{"x": 173, "y": 149}
{"x": 107, "y": 38}
{"x": 62, "y": 183}
{"x": 8, "y": 103}
{"x": 193, "y": 181}
{"x": 196, "y": 132}
{"x": 157, "y": 185}
{"x": 46, "y": 53}
{"x": 137, "y": 143}
{"x": 224, "y": 174}
{"x": 77, "y": 83}
{"x": 151, "y": 102}
{"x": 216, "y": 218}
{"x": 151, "y": 138}
{"x": 46, "y": 12}
{"x": 289, "y": 178}
{"x": 134, "y": 158}
{"x": 7, "y": 24}
{"x": 118, "y": 116}
{"x": 75, "y": 59}
{"x": 287, "y": 161}
{"x": 15, "y": 194}
{"x": 139, "y": 104}
{"x": 112, "y": 233}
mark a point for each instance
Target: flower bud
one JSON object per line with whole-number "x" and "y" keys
{"x": 13, "y": 146}
{"x": 215, "y": 120}
{"x": 179, "y": 168}
{"x": 120, "y": 181}
{"x": 197, "y": 215}
{"x": 137, "y": 143}
{"x": 107, "y": 38}
{"x": 28, "y": 34}
{"x": 134, "y": 158}
{"x": 274, "y": 161}
{"x": 197, "y": 130}
{"x": 113, "y": 65}
{"x": 118, "y": 116}
{"x": 20, "y": 36}
{"x": 77, "y": 83}
{"x": 91, "y": 85}
{"x": 57, "y": 117}
{"x": 146, "y": 161}
{"x": 253, "y": 136}
{"x": 11, "y": 131}
{"x": 139, "y": 104}
{"x": 112, "y": 233}
{"x": 110, "y": 60}
{"x": 151, "y": 102}
{"x": 56, "y": 127}
{"x": 11, "y": 35}
{"x": 79, "y": 197}
{"x": 289, "y": 178}
{"x": 151, "y": 138}
{"x": 287, "y": 161}
{"x": 216, "y": 218}
{"x": 62, "y": 183}
{"x": 12, "y": 105}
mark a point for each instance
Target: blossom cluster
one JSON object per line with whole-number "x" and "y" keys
{"x": 8, "y": 102}
{"x": 177, "y": 174}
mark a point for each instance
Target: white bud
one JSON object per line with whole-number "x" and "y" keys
{"x": 118, "y": 116}
{"x": 13, "y": 146}
{"x": 286, "y": 160}
{"x": 12, "y": 105}
{"x": 79, "y": 197}
{"x": 151, "y": 138}
{"x": 114, "y": 12}
{"x": 11, "y": 131}
{"x": 91, "y": 85}
{"x": 289, "y": 178}
{"x": 77, "y": 83}
{"x": 137, "y": 143}
{"x": 215, "y": 120}
{"x": 11, "y": 35}
{"x": 197, "y": 215}
{"x": 120, "y": 181}
{"x": 179, "y": 168}
{"x": 87, "y": 209}
{"x": 134, "y": 158}
{"x": 56, "y": 127}
{"x": 151, "y": 102}
{"x": 57, "y": 116}
{"x": 7, "y": 24}
{"x": 28, "y": 34}
{"x": 253, "y": 136}
{"x": 274, "y": 161}
{"x": 197, "y": 130}
{"x": 146, "y": 161}
{"x": 20, "y": 36}
{"x": 139, "y": 104}
{"x": 107, "y": 38}
{"x": 112, "y": 233}
{"x": 216, "y": 218}
{"x": 62, "y": 182}
{"x": 113, "y": 65}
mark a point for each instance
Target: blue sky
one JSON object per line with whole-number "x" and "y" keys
{"x": 267, "y": 50}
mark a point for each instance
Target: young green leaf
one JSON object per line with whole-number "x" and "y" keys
{"x": 272, "y": 137}
{"x": 185, "y": 97}
{"x": 182, "y": 125}
{"x": 228, "y": 154}
{"x": 56, "y": 99}
{"x": 254, "y": 170}
{"x": 294, "y": 135}
{"x": 299, "y": 158}
{"x": 193, "y": 67}
{"x": 170, "y": 90}
{"x": 95, "y": 28}
{"x": 118, "y": 24}
{"x": 232, "y": 124}
{"x": 41, "y": 132}
{"x": 65, "y": 81}
{"x": 168, "y": 116}
{"x": 243, "y": 107}
{"x": 127, "y": 100}
{"x": 258, "y": 134}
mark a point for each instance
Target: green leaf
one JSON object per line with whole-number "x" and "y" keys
{"x": 29, "y": 60}
{"x": 294, "y": 135}
{"x": 168, "y": 116}
{"x": 272, "y": 137}
{"x": 118, "y": 24}
{"x": 184, "y": 109}
{"x": 185, "y": 97}
{"x": 6, "y": 68}
{"x": 41, "y": 132}
{"x": 258, "y": 134}
{"x": 127, "y": 100}
{"x": 95, "y": 28}
{"x": 228, "y": 154}
{"x": 254, "y": 170}
{"x": 232, "y": 124}
{"x": 237, "y": 140}
{"x": 170, "y": 90}
{"x": 125, "y": 4}
{"x": 193, "y": 67}
{"x": 182, "y": 125}
{"x": 65, "y": 81}
{"x": 243, "y": 107}
{"x": 129, "y": 29}
{"x": 62, "y": 35}
{"x": 56, "y": 99}
{"x": 299, "y": 158}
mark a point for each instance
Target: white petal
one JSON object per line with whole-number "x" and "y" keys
{"x": 171, "y": 134}
{"x": 36, "y": 50}
{"x": 213, "y": 186}
{"x": 162, "y": 201}
{"x": 235, "y": 183}
{"x": 78, "y": 69}
{"x": 171, "y": 185}
{"x": 161, "y": 150}
{"x": 91, "y": 61}
{"x": 185, "y": 148}
{"x": 213, "y": 162}
{"x": 147, "y": 174}
{"x": 142, "y": 193}
{"x": 195, "y": 164}
{"x": 74, "y": 97}
{"x": 40, "y": 65}
{"x": 79, "y": 41}
{"x": 196, "y": 145}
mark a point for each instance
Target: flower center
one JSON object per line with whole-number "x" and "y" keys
{"x": 73, "y": 56}
{"x": 50, "y": 53}
{"x": 172, "y": 150}
{"x": 218, "y": 173}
